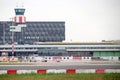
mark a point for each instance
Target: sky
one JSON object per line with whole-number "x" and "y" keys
{"x": 85, "y": 20}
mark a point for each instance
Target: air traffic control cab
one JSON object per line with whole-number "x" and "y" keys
{"x": 19, "y": 16}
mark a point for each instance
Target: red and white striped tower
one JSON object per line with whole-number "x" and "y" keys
{"x": 18, "y": 19}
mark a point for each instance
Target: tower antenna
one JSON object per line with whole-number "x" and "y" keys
{"x": 22, "y": 5}
{"x": 16, "y": 4}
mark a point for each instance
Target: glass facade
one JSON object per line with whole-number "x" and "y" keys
{"x": 48, "y": 49}
{"x": 106, "y": 54}
{"x": 19, "y": 11}
{"x": 34, "y": 32}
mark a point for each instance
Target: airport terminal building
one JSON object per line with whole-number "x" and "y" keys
{"x": 35, "y": 31}
{"x": 109, "y": 50}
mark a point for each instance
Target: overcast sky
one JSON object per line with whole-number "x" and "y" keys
{"x": 85, "y": 20}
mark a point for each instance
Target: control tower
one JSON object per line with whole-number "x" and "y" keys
{"x": 19, "y": 16}
{"x": 19, "y": 21}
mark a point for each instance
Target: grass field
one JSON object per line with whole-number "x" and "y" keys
{"x": 62, "y": 76}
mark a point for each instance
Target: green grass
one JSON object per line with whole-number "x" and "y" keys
{"x": 62, "y": 76}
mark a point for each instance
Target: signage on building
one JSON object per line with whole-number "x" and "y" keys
{"x": 15, "y": 29}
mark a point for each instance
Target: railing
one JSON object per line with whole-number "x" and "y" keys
{"x": 93, "y": 49}
{"x": 19, "y": 50}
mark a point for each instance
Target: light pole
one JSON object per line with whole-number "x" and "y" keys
{"x": 12, "y": 39}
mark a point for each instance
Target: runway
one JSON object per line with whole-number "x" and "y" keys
{"x": 61, "y": 65}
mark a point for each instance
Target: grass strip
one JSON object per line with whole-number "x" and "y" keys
{"x": 62, "y": 76}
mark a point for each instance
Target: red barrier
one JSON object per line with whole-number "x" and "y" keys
{"x": 11, "y": 71}
{"x": 41, "y": 71}
{"x": 76, "y": 58}
{"x": 57, "y": 58}
{"x": 71, "y": 71}
{"x": 100, "y": 71}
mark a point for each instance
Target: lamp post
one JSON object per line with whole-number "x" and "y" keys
{"x": 12, "y": 39}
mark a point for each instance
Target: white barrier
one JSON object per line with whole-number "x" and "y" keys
{"x": 61, "y": 58}
{"x": 112, "y": 70}
{"x": 56, "y": 71}
{"x": 26, "y": 71}
{"x": 3, "y": 71}
{"x": 85, "y": 71}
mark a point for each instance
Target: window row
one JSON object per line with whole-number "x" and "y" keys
{"x": 42, "y": 38}
{"x": 46, "y": 24}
